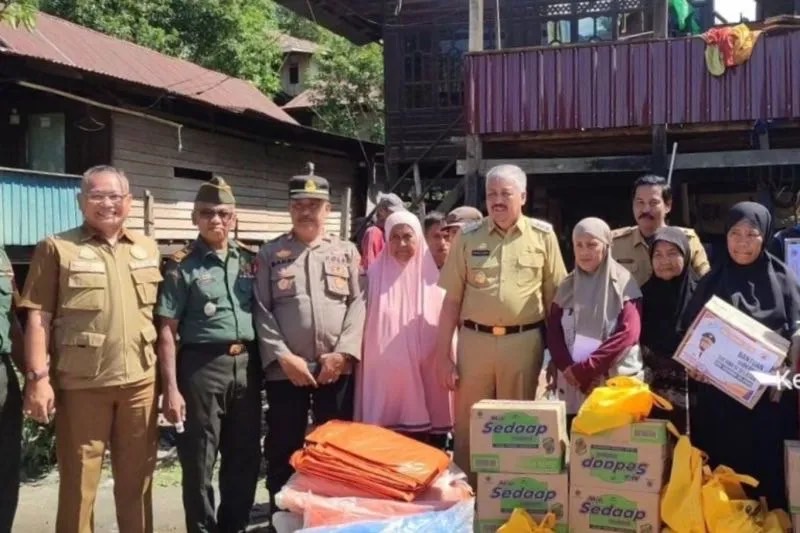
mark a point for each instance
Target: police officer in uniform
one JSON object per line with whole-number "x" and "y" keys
{"x": 500, "y": 277}
{"x": 214, "y": 387}
{"x": 309, "y": 321}
{"x": 652, "y": 202}
{"x": 11, "y": 348}
{"x": 90, "y": 293}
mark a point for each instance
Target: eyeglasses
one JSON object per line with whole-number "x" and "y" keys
{"x": 224, "y": 214}
{"x": 99, "y": 197}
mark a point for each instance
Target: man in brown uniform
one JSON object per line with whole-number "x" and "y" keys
{"x": 309, "y": 323}
{"x": 652, "y": 202}
{"x": 90, "y": 294}
{"x": 500, "y": 277}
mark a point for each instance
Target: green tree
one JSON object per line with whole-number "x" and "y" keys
{"x": 224, "y": 35}
{"x": 348, "y": 89}
{"x": 18, "y": 12}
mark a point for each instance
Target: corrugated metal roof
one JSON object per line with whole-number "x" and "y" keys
{"x": 63, "y": 42}
{"x": 289, "y": 44}
{"x": 623, "y": 85}
{"x": 304, "y": 100}
{"x": 34, "y": 205}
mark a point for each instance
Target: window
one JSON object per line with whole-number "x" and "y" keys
{"x": 453, "y": 44}
{"x": 45, "y": 142}
{"x": 417, "y": 70}
{"x": 294, "y": 73}
{"x": 192, "y": 173}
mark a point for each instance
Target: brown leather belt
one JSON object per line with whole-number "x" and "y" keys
{"x": 499, "y": 331}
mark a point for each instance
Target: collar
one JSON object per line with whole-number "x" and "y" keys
{"x": 519, "y": 224}
{"x": 88, "y": 233}
{"x": 201, "y": 248}
{"x": 324, "y": 238}
{"x": 638, "y": 238}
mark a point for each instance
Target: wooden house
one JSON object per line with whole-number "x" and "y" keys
{"x": 71, "y": 98}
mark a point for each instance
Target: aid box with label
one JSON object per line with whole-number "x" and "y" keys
{"x": 601, "y": 509}
{"x": 518, "y": 436}
{"x": 538, "y": 494}
{"x": 631, "y": 457}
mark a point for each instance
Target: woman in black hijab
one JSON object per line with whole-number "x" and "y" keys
{"x": 665, "y": 297}
{"x": 748, "y": 440}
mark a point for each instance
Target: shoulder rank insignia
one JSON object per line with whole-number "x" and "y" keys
{"x": 622, "y": 232}
{"x": 541, "y": 225}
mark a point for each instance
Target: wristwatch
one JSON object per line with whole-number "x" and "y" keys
{"x": 31, "y": 375}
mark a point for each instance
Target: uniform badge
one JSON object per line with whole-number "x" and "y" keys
{"x": 283, "y": 254}
{"x": 138, "y": 252}
{"x": 284, "y": 284}
{"x": 209, "y": 309}
{"x": 87, "y": 253}
{"x": 310, "y": 186}
{"x": 479, "y": 277}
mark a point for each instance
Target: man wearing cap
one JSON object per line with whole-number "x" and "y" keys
{"x": 374, "y": 239}
{"x": 500, "y": 279}
{"x": 213, "y": 387}
{"x": 90, "y": 293}
{"x": 309, "y": 321}
{"x": 652, "y": 202}
{"x": 461, "y": 217}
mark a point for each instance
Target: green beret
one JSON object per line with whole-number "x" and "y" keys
{"x": 215, "y": 191}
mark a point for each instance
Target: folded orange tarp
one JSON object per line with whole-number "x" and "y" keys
{"x": 371, "y": 458}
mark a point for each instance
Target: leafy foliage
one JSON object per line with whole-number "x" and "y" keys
{"x": 348, "y": 89}
{"x": 224, "y": 35}
{"x": 38, "y": 449}
{"x": 18, "y": 12}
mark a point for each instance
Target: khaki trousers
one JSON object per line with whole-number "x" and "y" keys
{"x": 87, "y": 420}
{"x": 489, "y": 367}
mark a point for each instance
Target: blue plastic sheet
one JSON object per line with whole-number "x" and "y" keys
{"x": 457, "y": 519}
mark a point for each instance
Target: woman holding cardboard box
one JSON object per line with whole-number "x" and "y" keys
{"x": 593, "y": 326}
{"x": 755, "y": 282}
{"x": 665, "y": 297}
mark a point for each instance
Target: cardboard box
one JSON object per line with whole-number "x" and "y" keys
{"x": 539, "y": 494}
{"x": 596, "y": 509}
{"x": 727, "y": 346}
{"x": 518, "y": 436}
{"x": 632, "y": 457}
{"x": 792, "y": 466}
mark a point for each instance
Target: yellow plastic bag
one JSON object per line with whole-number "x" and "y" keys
{"x": 726, "y": 507}
{"x": 521, "y": 522}
{"x": 682, "y": 497}
{"x": 623, "y": 400}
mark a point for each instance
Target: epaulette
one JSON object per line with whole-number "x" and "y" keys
{"x": 181, "y": 254}
{"x": 541, "y": 225}
{"x": 689, "y": 232}
{"x": 252, "y": 248}
{"x": 622, "y": 232}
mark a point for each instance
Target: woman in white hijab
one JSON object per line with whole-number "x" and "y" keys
{"x": 594, "y": 322}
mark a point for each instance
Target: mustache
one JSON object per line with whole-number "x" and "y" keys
{"x": 646, "y": 215}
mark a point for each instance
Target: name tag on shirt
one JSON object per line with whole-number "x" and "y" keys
{"x": 481, "y": 253}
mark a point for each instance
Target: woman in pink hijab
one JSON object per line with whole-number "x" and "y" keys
{"x": 398, "y": 388}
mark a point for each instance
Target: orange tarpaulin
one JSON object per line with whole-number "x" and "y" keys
{"x": 371, "y": 458}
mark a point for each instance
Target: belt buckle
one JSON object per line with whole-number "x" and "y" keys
{"x": 498, "y": 331}
{"x": 236, "y": 349}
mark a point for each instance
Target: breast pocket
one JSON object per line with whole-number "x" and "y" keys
{"x": 6, "y": 289}
{"x": 86, "y": 286}
{"x": 529, "y": 267}
{"x": 146, "y": 281}
{"x": 483, "y": 272}
{"x": 337, "y": 278}
{"x": 244, "y": 292}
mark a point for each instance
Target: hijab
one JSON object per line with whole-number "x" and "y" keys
{"x": 664, "y": 301}
{"x": 765, "y": 289}
{"x": 596, "y": 298}
{"x": 403, "y": 300}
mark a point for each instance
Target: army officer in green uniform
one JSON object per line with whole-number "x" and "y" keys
{"x": 213, "y": 387}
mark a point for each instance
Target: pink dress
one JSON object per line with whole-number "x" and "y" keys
{"x": 397, "y": 385}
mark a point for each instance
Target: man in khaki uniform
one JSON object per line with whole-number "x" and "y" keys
{"x": 89, "y": 294}
{"x": 309, "y": 323}
{"x": 652, "y": 202}
{"x": 500, "y": 277}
